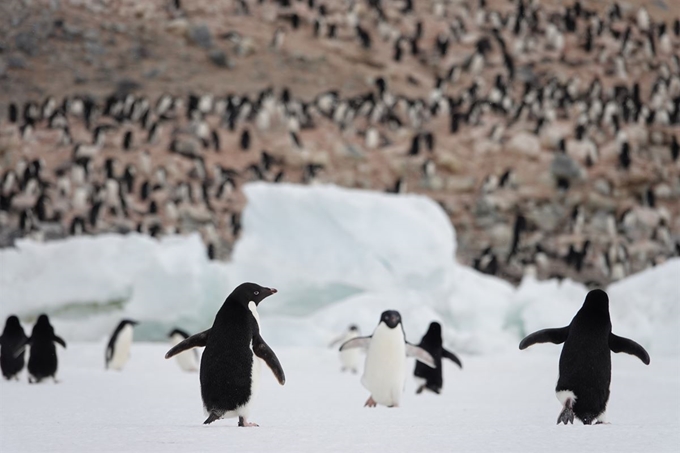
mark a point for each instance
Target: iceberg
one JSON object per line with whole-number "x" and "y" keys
{"x": 337, "y": 256}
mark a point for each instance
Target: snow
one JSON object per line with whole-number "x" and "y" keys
{"x": 496, "y": 403}
{"x": 337, "y": 256}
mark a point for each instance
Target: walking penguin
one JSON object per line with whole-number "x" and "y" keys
{"x": 229, "y": 369}
{"x": 12, "y": 348}
{"x": 42, "y": 361}
{"x": 431, "y": 378}
{"x": 585, "y": 363}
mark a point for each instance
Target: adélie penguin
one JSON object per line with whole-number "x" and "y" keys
{"x": 385, "y": 366}
{"x": 187, "y": 360}
{"x": 12, "y": 348}
{"x": 350, "y": 357}
{"x": 230, "y": 371}
{"x": 585, "y": 363}
{"x": 42, "y": 361}
{"x": 120, "y": 343}
{"x": 431, "y": 378}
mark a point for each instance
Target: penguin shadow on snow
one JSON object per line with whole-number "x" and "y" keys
{"x": 585, "y": 362}
{"x": 385, "y": 366}
{"x": 229, "y": 369}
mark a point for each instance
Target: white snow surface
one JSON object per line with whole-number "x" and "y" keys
{"x": 497, "y": 403}
{"x": 337, "y": 256}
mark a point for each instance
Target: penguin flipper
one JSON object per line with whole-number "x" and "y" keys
{"x": 60, "y": 340}
{"x": 21, "y": 347}
{"x": 621, "y": 344}
{"x": 263, "y": 351}
{"x": 358, "y": 342}
{"x": 451, "y": 356}
{"x": 556, "y": 336}
{"x": 198, "y": 340}
{"x": 420, "y": 354}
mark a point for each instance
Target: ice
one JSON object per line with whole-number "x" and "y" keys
{"x": 337, "y": 256}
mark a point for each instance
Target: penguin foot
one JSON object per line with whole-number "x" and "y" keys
{"x": 370, "y": 402}
{"x": 243, "y": 423}
{"x": 420, "y": 389}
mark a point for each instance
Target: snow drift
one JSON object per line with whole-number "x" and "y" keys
{"x": 337, "y": 256}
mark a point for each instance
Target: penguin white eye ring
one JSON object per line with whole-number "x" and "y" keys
{"x": 256, "y": 293}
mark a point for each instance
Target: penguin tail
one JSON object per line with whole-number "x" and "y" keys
{"x": 211, "y": 418}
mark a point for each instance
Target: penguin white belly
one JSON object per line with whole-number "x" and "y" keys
{"x": 243, "y": 411}
{"x": 121, "y": 348}
{"x": 350, "y": 358}
{"x": 385, "y": 368}
{"x": 187, "y": 360}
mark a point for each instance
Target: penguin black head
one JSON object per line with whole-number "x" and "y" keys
{"x": 251, "y": 292}
{"x": 12, "y": 326}
{"x": 131, "y": 322}
{"x": 391, "y": 318}
{"x": 43, "y": 326}
{"x": 435, "y": 329}
{"x": 596, "y": 301}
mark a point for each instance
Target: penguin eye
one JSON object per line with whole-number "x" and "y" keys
{"x": 256, "y": 292}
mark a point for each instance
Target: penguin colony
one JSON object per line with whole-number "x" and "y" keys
{"x": 549, "y": 134}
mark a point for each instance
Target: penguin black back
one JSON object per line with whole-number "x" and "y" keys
{"x": 432, "y": 343}
{"x": 12, "y": 344}
{"x": 42, "y": 362}
{"x": 587, "y": 344}
{"x": 585, "y": 362}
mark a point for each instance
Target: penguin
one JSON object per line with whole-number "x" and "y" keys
{"x": 42, "y": 362}
{"x": 245, "y": 140}
{"x": 385, "y": 366}
{"x": 585, "y": 363}
{"x": 118, "y": 348}
{"x": 432, "y": 377}
{"x": 12, "y": 348}
{"x": 350, "y": 357}
{"x": 229, "y": 372}
{"x": 188, "y": 360}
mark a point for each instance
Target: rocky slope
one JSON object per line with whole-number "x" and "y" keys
{"x": 548, "y": 133}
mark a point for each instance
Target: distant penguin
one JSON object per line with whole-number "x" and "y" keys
{"x": 12, "y": 348}
{"x": 42, "y": 362}
{"x": 385, "y": 366}
{"x": 118, "y": 348}
{"x": 187, "y": 360}
{"x": 585, "y": 362}
{"x": 245, "y": 140}
{"x": 230, "y": 371}
{"x": 431, "y": 378}
{"x": 349, "y": 358}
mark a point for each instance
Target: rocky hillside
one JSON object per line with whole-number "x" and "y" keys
{"x": 549, "y": 133}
